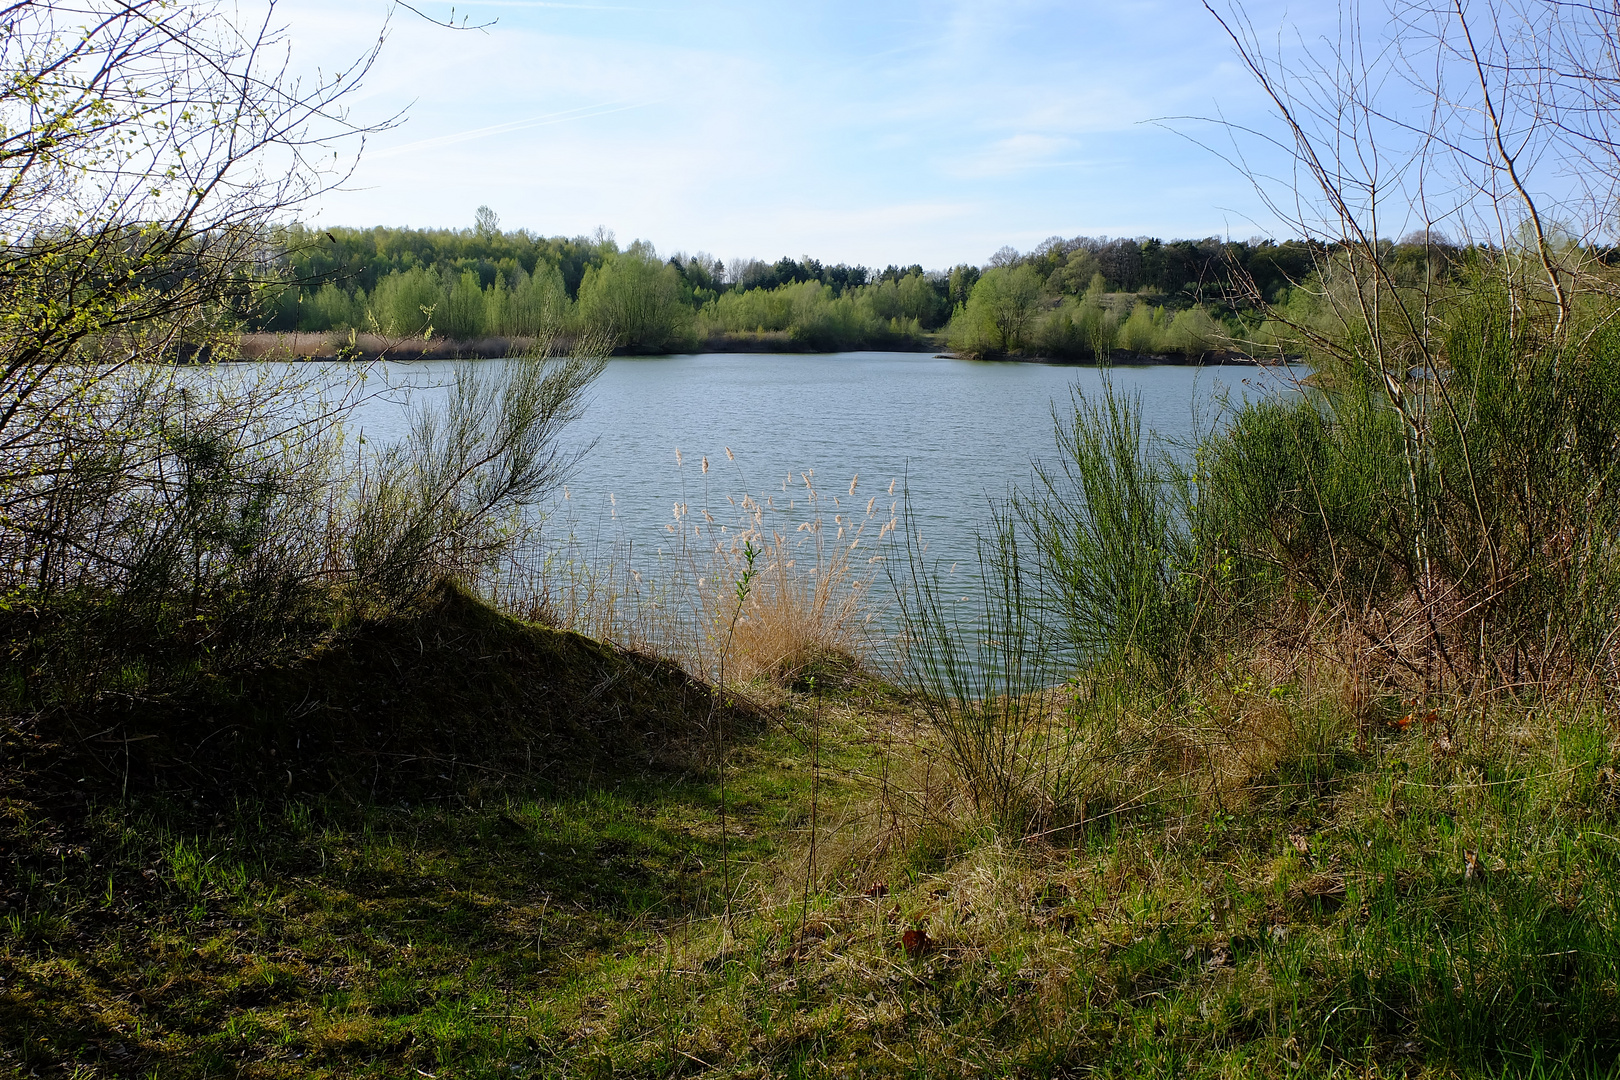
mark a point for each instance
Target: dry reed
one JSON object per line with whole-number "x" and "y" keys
{"x": 809, "y": 610}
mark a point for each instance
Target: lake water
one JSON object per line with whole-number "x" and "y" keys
{"x": 956, "y": 433}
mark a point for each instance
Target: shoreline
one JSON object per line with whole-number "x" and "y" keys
{"x": 370, "y": 347}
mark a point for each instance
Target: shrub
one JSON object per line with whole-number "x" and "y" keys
{"x": 1451, "y": 531}
{"x": 636, "y": 300}
{"x": 196, "y": 522}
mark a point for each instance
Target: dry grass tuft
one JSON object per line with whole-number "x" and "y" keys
{"x": 807, "y": 612}
{"x": 806, "y": 616}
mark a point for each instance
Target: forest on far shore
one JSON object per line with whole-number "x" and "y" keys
{"x": 1077, "y": 298}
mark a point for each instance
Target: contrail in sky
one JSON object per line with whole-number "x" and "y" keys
{"x": 581, "y": 113}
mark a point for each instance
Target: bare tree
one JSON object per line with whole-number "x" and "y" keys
{"x": 145, "y": 148}
{"x": 1492, "y": 122}
{"x": 1495, "y": 123}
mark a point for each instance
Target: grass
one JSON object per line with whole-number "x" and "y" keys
{"x": 1307, "y": 906}
{"x": 162, "y": 936}
{"x": 451, "y": 843}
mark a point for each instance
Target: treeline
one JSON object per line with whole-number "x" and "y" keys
{"x": 1089, "y": 297}
{"x": 1076, "y": 298}
{"x": 481, "y": 283}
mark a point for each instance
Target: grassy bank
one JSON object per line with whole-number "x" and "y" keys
{"x": 1279, "y": 887}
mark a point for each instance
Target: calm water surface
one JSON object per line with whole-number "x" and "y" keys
{"x": 958, "y": 433}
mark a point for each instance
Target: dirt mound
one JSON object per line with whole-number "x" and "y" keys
{"x": 458, "y": 697}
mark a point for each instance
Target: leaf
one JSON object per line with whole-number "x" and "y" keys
{"x": 916, "y": 942}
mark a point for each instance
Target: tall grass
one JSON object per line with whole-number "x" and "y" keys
{"x": 1438, "y": 541}
{"x": 1110, "y": 527}
{"x": 1078, "y": 583}
{"x": 809, "y": 611}
{"x": 986, "y": 678}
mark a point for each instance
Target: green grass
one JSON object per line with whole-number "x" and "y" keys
{"x": 1314, "y": 918}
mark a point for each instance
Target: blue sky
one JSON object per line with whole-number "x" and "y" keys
{"x": 875, "y": 132}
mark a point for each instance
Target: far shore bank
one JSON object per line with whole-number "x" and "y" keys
{"x": 335, "y": 346}
{"x": 369, "y": 347}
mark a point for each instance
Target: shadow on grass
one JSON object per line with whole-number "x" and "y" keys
{"x": 357, "y": 863}
{"x": 149, "y": 936}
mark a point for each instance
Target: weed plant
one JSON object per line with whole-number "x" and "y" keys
{"x": 1445, "y": 540}
{"x": 808, "y": 610}
{"x": 185, "y": 526}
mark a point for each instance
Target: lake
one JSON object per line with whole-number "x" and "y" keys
{"x": 956, "y": 433}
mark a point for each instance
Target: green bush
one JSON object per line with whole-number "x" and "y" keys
{"x": 636, "y": 300}
{"x": 1450, "y": 530}
{"x": 1484, "y": 496}
{"x": 405, "y": 304}
{"x": 193, "y": 523}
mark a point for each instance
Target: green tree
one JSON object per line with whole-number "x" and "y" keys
{"x": 751, "y": 310}
{"x": 920, "y": 301}
{"x": 130, "y": 224}
{"x": 497, "y": 299}
{"x": 1001, "y": 308}
{"x": 1143, "y": 329}
{"x": 330, "y": 308}
{"x": 487, "y": 224}
{"x": 636, "y": 300}
{"x": 464, "y": 309}
{"x": 135, "y": 210}
{"x": 404, "y": 304}
{"x": 538, "y": 305}
{"x": 1079, "y": 270}
{"x": 827, "y": 322}
{"x": 959, "y": 285}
